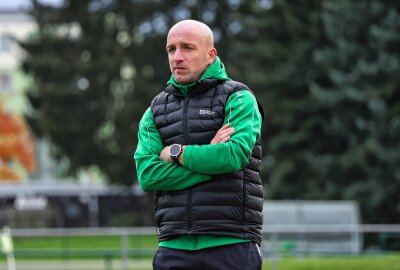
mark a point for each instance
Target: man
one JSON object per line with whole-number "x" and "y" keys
{"x": 199, "y": 150}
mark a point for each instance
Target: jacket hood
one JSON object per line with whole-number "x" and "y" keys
{"x": 215, "y": 71}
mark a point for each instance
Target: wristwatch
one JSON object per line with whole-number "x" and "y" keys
{"x": 174, "y": 151}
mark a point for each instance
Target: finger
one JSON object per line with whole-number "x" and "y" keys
{"x": 221, "y": 138}
{"x": 225, "y": 132}
{"x": 225, "y": 139}
{"x": 223, "y": 127}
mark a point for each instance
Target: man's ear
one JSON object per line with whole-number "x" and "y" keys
{"x": 212, "y": 54}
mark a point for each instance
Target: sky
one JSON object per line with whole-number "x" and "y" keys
{"x": 17, "y": 4}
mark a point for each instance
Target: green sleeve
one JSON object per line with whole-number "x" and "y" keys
{"x": 154, "y": 173}
{"x": 241, "y": 112}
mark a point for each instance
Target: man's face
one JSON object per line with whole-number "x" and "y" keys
{"x": 188, "y": 54}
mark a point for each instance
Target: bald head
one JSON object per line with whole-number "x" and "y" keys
{"x": 195, "y": 28}
{"x": 190, "y": 48}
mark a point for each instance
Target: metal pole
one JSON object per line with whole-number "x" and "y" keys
{"x": 93, "y": 205}
{"x": 11, "y": 262}
{"x": 124, "y": 251}
{"x": 275, "y": 251}
{"x": 6, "y": 245}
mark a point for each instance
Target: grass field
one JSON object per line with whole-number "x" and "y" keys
{"x": 38, "y": 251}
{"x": 391, "y": 262}
{"x": 70, "y": 242}
{"x": 382, "y": 262}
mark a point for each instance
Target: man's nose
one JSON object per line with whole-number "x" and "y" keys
{"x": 178, "y": 55}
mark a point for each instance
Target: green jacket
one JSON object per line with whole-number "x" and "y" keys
{"x": 241, "y": 112}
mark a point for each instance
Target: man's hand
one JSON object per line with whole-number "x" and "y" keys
{"x": 164, "y": 155}
{"x": 223, "y": 134}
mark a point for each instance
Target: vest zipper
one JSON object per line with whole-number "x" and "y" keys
{"x": 189, "y": 192}
{"x": 185, "y": 119}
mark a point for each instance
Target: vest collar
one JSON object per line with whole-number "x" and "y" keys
{"x": 198, "y": 88}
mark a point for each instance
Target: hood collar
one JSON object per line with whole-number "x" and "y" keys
{"x": 215, "y": 71}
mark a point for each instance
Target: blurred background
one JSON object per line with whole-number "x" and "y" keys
{"x": 76, "y": 77}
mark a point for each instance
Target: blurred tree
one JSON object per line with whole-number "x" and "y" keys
{"x": 96, "y": 67}
{"x": 92, "y": 77}
{"x": 324, "y": 71}
{"x": 327, "y": 71}
{"x": 357, "y": 92}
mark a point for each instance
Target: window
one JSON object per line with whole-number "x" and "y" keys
{"x": 5, "y": 83}
{"x": 5, "y": 44}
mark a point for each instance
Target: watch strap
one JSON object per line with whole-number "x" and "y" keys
{"x": 175, "y": 159}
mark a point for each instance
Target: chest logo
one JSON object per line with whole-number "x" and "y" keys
{"x": 208, "y": 112}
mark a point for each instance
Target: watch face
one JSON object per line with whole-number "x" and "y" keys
{"x": 175, "y": 150}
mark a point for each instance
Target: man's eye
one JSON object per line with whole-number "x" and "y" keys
{"x": 171, "y": 50}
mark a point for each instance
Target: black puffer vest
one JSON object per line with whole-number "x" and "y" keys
{"x": 229, "y": 204}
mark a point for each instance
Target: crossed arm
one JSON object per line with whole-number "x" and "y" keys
{"x": 222, "y": 135}
{"x": 155, "y": 168}
{"x": 229, "y": 150}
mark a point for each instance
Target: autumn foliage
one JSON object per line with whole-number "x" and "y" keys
{"x": 16, "y": 145}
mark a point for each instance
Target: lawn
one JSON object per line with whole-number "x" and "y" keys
{"x": 84, "y": 247}
{"x": 381, "y": 262}
{"x": 70, "y": 242}
{"x": 97, "y": 247}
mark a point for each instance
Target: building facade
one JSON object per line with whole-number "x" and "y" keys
{"x": 13, "y": 83}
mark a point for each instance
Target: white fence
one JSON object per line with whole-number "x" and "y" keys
{"x": 271, "y": 242}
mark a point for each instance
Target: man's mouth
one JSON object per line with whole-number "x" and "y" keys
{"x": 179, "y": 70}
